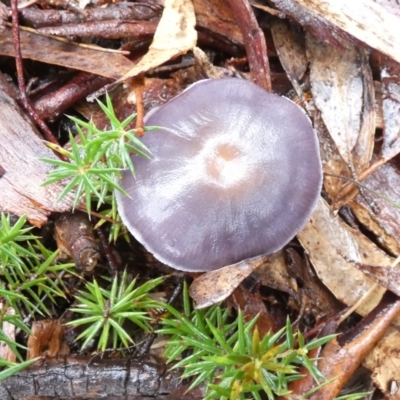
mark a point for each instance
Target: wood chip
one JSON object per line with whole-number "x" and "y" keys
{"x": 21, "y": 190}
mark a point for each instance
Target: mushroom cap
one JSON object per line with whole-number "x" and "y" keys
{"x": 234, "y": 173}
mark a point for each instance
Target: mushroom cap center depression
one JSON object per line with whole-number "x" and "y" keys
{"x": 223, "y": 165}
{"x": 234, "y": 173}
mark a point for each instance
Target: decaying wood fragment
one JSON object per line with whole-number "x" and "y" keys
{"x": 21, "y": 190}
{"x": 75, "y": 239}
{"x": 88, "y": 378}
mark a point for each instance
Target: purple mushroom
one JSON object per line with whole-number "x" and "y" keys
{"x": 234, "y": 173}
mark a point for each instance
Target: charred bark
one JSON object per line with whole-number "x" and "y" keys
{"x": 85, "y": 378}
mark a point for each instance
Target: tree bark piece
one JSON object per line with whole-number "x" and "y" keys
{"x": 20, "y": 150}
{"x": 85, "y": 378}
{"x": 254, "y": 41}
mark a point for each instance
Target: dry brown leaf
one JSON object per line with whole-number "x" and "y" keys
{"x": 384, "y": 362}
{"x": 375, "y": 208}
{"x": 290, "y": 45}
{"x": 332, "y": 163}
{"x": 9, "y": 331}
{"x": 326, "y": 238}
{"x": 47, "y": 339}
{"x": 366, "y": 20}
{"x": 274, "y": 274}
{"x": 390, "y": 75}
{"x": 342, "y": 87}
{"x": 387, "y": 277}
{"x": 175, "y": 35}
{"x": 252, "y": 306}
{"x": 21, "y": 190}
{"x": 51, "y": 51}
{"x": 215, "y": 286}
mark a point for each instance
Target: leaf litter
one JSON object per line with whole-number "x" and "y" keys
{"x": 335, "y": 65}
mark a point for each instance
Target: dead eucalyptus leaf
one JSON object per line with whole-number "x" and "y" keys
{"x": 384, "y": 362}
{"x": 390, "y": 75}
{"x": 290, "y": 45}
{"x": 370, "y": 22}
{"x": 175, "y": 35}
{"x": 326, "y": 238}
{"x": 45, "y": 49}
{"x": 215, "y": 286}
{"x": 378, "y": 207}
{"x": 388, "y": 277}
{"x": 342, "y": 88}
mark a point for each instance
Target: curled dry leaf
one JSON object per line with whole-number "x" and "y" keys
{"x": 215, "y": 286}
{"x": 326, "y": 239}
{"x": 175, "y": 35}
{"x": 288, "y": 272}
{"x": 342, "y": 88}
{"x": 47, "y": 339}
{"x": 290, "y": 44}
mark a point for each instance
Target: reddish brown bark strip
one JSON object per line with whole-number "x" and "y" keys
{"x": 254, "y": 40}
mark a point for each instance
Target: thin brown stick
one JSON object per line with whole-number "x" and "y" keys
{"x": 24, "y": 101}
{"x": 343, "y": 196}
{"x": 112, "y": 262}
{"x": 137, "y": 86}
{"x": 254, "y": 41}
